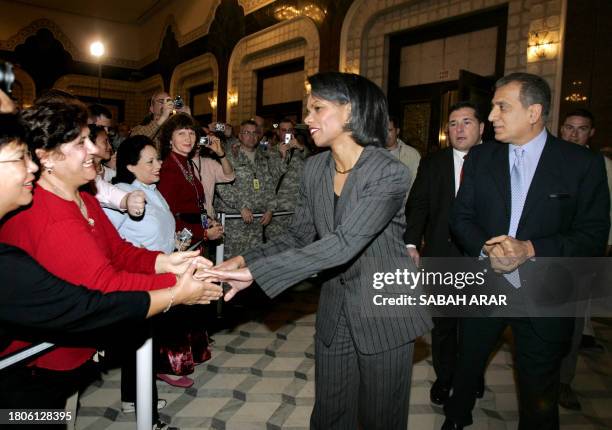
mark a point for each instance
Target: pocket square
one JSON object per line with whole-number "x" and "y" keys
{"x": 559, "y": 196}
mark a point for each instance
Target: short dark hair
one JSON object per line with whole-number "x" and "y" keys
{"x": 49, "y": 125}
{"x": 248, "y": 122}
{"x": 11, "y": 129}
{"x": 534, "y": 90}
{"x": 369, "y": 114}
{"x": 394, "y": 120}
{"x": 97, "y": 110}
{"x": 584, "y": 113}
{"x": 94, "y": 130}
{"x": 176, "y": 122}
{"x": 128, "y": 154}
{"x": 287, "y": 119}
{"x": 55, "y": 95}
{"x": 466, "y": 104}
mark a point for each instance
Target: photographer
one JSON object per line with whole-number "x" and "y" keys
{"x": 212, "y": 164}
{"x": 162, "y": 106}
{"x": 287, "y": 157}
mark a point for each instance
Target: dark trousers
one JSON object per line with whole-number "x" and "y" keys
{"x": 444, "y": 348}
{"x": 33, "y": 388}
{"x": 354, "y": 389}
{"x": 121, "y": 350}
{"x": 537, "y": 365}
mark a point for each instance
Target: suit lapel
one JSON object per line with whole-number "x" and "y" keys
{"x": 500, "y": 171}
{"x": 546, "y": 176}
{"x": 327, "y": 199}
{"x": 348, "y": 185}
{"x": 448, "y": 174}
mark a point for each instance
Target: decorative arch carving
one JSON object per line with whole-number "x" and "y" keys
{"x": 198, "y": 70}
{"x": 32, "y": 28}
{"x": 299, "y": 37}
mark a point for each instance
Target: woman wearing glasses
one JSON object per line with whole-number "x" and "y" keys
{"x": 35, "y": 302}
{"x": 67, "y": 232}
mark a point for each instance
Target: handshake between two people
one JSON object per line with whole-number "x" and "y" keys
{"x": 199, "y": 283}
{"x": 506, "y": 253}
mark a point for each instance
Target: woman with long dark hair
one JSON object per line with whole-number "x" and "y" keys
{"x": 347, "y": 227}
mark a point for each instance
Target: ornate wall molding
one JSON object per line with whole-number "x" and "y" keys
{"x": 201, "y": 30}
{"x": 31, "y": 29}
{"x": 194, "y": 72}
{"x": 284, "y": 41}
{"x": 250, "y": 6}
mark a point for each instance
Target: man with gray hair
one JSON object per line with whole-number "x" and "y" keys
{"x": 527, "y": 196}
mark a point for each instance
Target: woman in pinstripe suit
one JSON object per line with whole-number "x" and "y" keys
{"x": 351, "y": 199}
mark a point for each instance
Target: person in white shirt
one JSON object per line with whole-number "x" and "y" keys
{"x": 138, "y": 167}
{"x": 579, "y": 127}
{"x": 427, "y": 221}
{"x": 402, "y": 151}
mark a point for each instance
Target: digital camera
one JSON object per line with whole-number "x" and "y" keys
{"x": 178, "y": 102}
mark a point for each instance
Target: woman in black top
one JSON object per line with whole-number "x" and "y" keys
{"x": 32, "y": 298}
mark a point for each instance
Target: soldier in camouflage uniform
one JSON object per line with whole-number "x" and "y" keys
{"x": 251, "y": 192}
{"x": 287, "y": 167}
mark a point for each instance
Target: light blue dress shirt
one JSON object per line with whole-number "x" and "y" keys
{"x": 533, "y": 151}
{"x": 155, "y": 230}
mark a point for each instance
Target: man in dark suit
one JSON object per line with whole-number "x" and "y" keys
{"x": 427, "y": 213}
{"x": 532, "y": 196}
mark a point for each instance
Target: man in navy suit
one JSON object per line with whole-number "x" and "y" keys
{"x": 530, "y": 195}
{"x": 427, "y": 213}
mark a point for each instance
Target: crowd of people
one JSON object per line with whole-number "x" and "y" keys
{"x": 101, "y": 226}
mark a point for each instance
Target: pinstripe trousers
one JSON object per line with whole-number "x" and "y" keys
{"x": 354, "y": 390}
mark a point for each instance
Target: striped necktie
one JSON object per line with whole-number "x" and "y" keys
{"x": 518, "y": 189}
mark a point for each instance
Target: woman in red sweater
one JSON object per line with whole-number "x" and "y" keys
{"x": 39, "y": 303}
{"x": 67, "y": 232}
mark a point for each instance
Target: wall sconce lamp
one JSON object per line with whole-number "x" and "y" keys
{"x": 442, "y": 139}
{"x": 540, "y": 46}
{"x": 307, "y": 86}
{"x": 96, "y": 49}
{"x": 213, "y": 102}
{"x": 232, "y": 98}
{"x": 575, "y": 96}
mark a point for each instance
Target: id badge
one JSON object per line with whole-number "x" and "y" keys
{"x": 256, "y": 184}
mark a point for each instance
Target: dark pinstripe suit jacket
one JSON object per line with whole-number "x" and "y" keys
{"x": 362, "y": 236}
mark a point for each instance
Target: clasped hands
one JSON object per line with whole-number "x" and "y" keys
{"x": 507, "y": 253}
{"x": 197, "y": 269}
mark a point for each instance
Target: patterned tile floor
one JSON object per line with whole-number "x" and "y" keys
{"x": 261, "y": 376}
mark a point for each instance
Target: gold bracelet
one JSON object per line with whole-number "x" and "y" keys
{"x": 171, "y": 300}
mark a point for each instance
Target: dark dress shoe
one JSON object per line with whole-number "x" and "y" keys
{"x": 451, "y": 425}
{"x": 568, "y": 398}
{"x": 480, "y": 390}
{"x": 439, "y": 393}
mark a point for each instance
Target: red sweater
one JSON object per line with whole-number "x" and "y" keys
{"x": 182, "y": 197}
{"x": 55, "y": 234}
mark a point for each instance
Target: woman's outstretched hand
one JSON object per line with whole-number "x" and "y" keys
{"x": 237, "y": 279}
{"x": 190, "y": 290}
{"x": 177, "y": 262}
